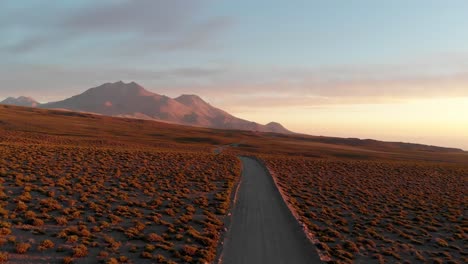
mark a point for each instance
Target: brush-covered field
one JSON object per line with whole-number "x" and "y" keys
{"x": 377, "y": 211}
{"x": 87, "y": 204}
{"x": 82, "y": 188}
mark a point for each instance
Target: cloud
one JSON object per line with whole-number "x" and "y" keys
{"x": 123, "y": 27}
{"x": 250, "y": 88}
{"x": 51, "y": 82}
{"x": 238, "y": 87}
{"x": 149, "y": 16}
{"x": 199, "y": 36}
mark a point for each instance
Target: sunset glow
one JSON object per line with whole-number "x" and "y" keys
{"x": 430, "y": 121}
{"x": 393, "y": 70}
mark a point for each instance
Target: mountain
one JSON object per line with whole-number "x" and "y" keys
{"x": 132, "y": 100}
{"x": 20, "y": 101}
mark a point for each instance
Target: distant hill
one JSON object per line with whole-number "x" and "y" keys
{"x": 132, "y": 100}
{"x": 375, "y": 144}
{"x": 20, "y": 101}
{"x": 43, "y": 126}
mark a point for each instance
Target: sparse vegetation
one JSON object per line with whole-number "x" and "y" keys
{"x": 46, "y": 244}
{"x": 108, "y": 190}
{"x": 22, "y": 248}
{"x": 378, "y": 210}
{"x": 3, "y": 257}
{"x": 74, "y": 207}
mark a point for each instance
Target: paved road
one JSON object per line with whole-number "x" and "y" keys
{"x": 262, "y": 228}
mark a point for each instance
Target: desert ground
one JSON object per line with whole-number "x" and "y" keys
{"x": 82, "y": 188}
{"x": 378, "y": 211}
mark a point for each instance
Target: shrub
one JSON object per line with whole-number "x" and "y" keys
{"x": 29, "y": 215}
{"x": 37, "y": 222}
{"x": 22, "y": 248}
{"x": 61, "y": 220}
{"x": 146, "y": 255}
{"x": 46, "y": 244}
{"x": 160, "y": 258}
{"x": 103, "y": 254}
{"x": 441, "y": 242}
{"x": 112, "y": 261}
{"x": 72, "y": 239}
{"x": 21, "y": 206}
{"x": 189, "y": 250}
{"x": 80, "y": 251}
{"x": 5, "y": 224}
{"x": 3, "y": 257}
{"x": 85, "y": 233}
{"x": 67, "y": 260}
{"x": 153, "y": 237}
{"x": 150, "y": 248}
{"x": 5, "y": 231}
{"x": 349, "y": 245}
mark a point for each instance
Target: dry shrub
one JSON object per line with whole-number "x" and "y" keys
{"x": 3, "y": 257}
{"x": 441, "y": 242}
{"x": 46, "y": 244}
{"x": 373, "y": 201}
{"x": 80, "y": 251}
{"x": 113, "y": 261}
{"x": 146, "y": 255}
{"x": 22, "y": 248}
{"x": 153, "y": 237}
{"x": 189, "y": 250}
{"x": 5, "y": 231}
{"x": 73, "y": 187}
{"x": 61, "y": 220}
{"x": 67, "y": 260}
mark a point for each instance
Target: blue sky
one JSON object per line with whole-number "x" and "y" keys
{"x": 247, "y": 57}
{"x": 316, "y": 33}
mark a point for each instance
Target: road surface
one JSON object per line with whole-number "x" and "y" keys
{"x": 263, "y": 229}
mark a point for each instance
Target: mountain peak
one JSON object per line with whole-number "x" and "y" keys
{"x": 273, "y": 124}
{"x": 190, "y": 99}
{"x": 121, "y": 88}
{"x": 20, "y": 101}
{"x": 123, "y": 84}
{"x": 276, "y": 127}
{"x": 130, "y": 84}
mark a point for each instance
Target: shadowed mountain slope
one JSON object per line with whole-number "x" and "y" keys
{"x": 132, "y": 100}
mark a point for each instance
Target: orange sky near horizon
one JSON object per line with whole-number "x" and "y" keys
{"x": 437, "y": 121}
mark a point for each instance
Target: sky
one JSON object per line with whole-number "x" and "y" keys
{"x": 394, "y": 70}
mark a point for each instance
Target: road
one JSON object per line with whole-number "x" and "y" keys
{"x": 263, "y": 229}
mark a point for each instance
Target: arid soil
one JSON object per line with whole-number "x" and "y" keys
{"x": 379, "y": 212}
{"x": 82, "y": 188}
{"x": 62, "y": 204}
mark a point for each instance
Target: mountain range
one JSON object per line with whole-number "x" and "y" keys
{"x": 132, "y": 100}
